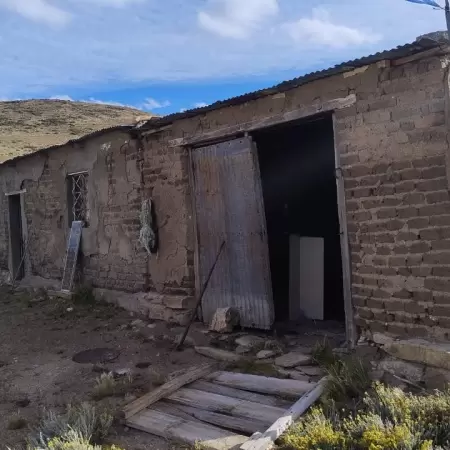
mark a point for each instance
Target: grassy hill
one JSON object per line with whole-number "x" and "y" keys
{"x": 29, "y": 125}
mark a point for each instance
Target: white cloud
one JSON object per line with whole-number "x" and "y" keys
{"x": 200, "y": 105}
{"x": 151, "y": 103}
{"x": 237, "y": 18}
{"x": 160, "y": 42}
{"x": 37, "y": 10}
{"x": 62, "y": 97}
{"x": 319, "y": 30}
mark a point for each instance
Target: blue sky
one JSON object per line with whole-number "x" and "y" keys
{"x": 169, "y": 55}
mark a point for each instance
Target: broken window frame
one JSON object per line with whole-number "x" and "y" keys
{"x": 77, "y": 195}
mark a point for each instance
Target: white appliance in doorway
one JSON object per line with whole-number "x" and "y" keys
{"x": 306, "y": 277}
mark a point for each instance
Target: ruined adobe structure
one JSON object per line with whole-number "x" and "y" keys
{"x": 393, "y": 145}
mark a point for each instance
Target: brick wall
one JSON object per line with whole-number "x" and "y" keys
{"x": 166, "y": 182}
{"x": 392, "y": 145}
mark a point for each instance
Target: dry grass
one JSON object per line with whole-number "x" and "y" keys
{"x": 108, "y": 386}
{"x": 26, "y": 126}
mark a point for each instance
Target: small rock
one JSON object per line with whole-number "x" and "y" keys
{"x": 137, "y": 323}
{"x": 122, "y": 372}
{"x": 151, "y": 325}
{"x": 311, "y": 371}
{"x": 225, "y": 320}
{"x": 69, "y": 309}
{"x": 218, "y": 354}
{"x": 264, "y": 354}
{"x": 293, "y": 359}
{"x": 376, "y": 375}
{"x": 250, "y": 341}
{"x": 188, "y": 341}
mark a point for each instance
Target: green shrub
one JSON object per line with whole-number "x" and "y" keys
{"x": 388, "y": 419}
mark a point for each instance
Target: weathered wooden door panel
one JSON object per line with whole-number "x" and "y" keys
{"x": 229, "y": 206}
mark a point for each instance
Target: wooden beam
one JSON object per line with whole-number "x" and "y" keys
{"x": 269, "y": 400}
{"x": 244, "y": 425}
{"x": 289, "y": 116}
{"x": 265, "y": 440}
{"x": 169, "y": 427}
{"x": 350, "y": 328}
{"x": 225, "y": 405}
{"x": 263, "y": 385}
{"x": 167, "y": 389}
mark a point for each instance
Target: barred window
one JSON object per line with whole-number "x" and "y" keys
{"x": 77, "y": 198}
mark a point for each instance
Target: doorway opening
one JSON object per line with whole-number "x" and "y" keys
{"x": 297, "y": 166}
{"x": 16, "y": 236}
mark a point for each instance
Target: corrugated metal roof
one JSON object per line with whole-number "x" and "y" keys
{"x": 395, "y": 53}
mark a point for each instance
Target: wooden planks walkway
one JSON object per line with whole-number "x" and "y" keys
{"x": 221, "y": 410}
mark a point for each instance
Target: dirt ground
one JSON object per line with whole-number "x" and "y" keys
{"x": 40, "y": 335}
{"x": 38, "y": 338}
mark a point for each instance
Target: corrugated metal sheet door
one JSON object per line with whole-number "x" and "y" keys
{"x": 229, "y": 206}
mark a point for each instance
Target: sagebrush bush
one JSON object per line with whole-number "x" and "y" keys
{"x": 388, "y": 419}
{"x": 84, "y": 421}
{"x": 108, "y": 386}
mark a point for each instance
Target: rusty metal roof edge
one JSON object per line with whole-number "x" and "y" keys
{"x": 69, "y": 142}
{"x": 395, "y": 53}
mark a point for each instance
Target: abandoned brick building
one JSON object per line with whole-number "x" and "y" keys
{"x": 330, "y": 192}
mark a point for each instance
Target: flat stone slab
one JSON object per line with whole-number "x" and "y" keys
{"x": 421, "y": 351}
{"x": 293, "y": 374}
{"x": 265, "y": 354}
{"x": 407, "y": 370}
{"x": 293, "y": 359}
{"x": 250, "y": 341}
{"x": 312, "y": 371}
{"x": 218, "y": 354}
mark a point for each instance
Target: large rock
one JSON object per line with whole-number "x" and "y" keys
{"x": 311, "y": 371}
{"x": 179, "y": 302}
{"x": 293, "y": 374}
{"x": 382, "y": 339}
{"x": 407, "y": 370}
{"x": 293, "y": 359}
{"x": 225, "y": 320}
{"x": 218, "y": 354}
{"x": 250, "y": 342}
{"x": 421, "y": 351}
{"x": 436, "y": 378}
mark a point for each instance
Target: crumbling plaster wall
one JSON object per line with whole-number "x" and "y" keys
{"x": 112, "y": 255}
{"x": 392, "y": 143}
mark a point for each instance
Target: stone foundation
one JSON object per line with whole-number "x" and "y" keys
{"x": 169, "y": 308}
{"x": 418, "y": 361}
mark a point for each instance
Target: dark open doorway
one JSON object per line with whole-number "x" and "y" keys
{"x": 297, "y": 164}
{"x": 16, "y": 236}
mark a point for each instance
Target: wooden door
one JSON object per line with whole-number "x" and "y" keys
{"x": 229, "y": 206}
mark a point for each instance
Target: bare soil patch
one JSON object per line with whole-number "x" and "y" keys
{"x": 39, "y": 337}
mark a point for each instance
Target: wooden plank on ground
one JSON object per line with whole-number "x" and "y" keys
{"x": 239, "y": 424}
{"x": 269, "y": 400}
{"x": 263, "y": 385}
{"x": 265, "y": 440}
{"x": 166, "y": 389}
{"x": 226, "y": 405}
{"x": 184, "y": 431}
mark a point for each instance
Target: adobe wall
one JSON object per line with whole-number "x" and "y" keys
{"x": 393, "y": 146}
{"x": 113, "y": 258}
